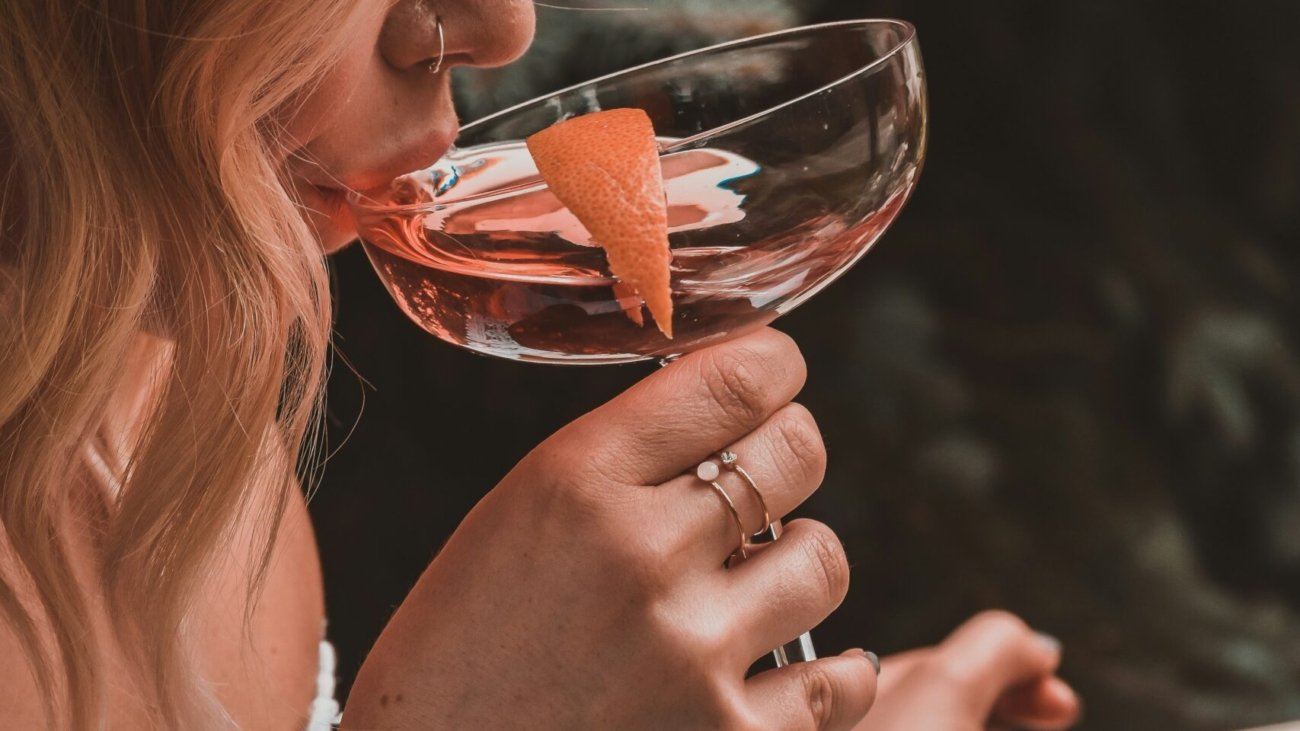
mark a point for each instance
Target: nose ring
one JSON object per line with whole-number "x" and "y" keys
{"x": 436, "y": 66}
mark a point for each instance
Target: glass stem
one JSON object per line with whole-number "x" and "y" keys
{"x": 801, "y": 648}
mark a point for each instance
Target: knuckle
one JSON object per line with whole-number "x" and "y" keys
{"x": 548, "y": 474}
{"x": 730, "y": 709}
{"x": 575, "y": 480}
{"x": 831, "y": 567}
{"x": 999, "y": 625}
{"x": 549, "y": 459}
{"x": 572, "y": 496}
{"x": 804, "y": 453}
{"x": 785, "y": 349}
{"x": 960, "y": 665}
{"x": 680, "y": 632}
{"x": 952, "y": 674}
{"x": 819, "y": 689}
{"x": 691, "y": 653}
{"x": 648, "y": 569}
{"x": 736, "y": 386}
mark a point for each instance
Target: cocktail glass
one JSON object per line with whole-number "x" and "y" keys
{"x": 785, "y": 157}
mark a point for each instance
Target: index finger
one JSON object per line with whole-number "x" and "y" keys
{"x": 690, "y": 409}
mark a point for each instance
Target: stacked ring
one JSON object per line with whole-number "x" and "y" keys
{"x": 708, "y": 472}
{"x": 801, "y": 649}
{"x": 729, "y": 460}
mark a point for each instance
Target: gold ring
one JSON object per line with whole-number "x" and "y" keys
{"x": 708, "y": 471}
{"x": 730, "y": 461}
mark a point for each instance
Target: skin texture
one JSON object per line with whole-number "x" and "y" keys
{"x": 587, "y": 589}
{"x": 993, "y": 672}
{"x": 375, "y": 114}
{"x": 505, "y": 628}
{"x": 262, "y": 674}
{"x": 379, "y": 112}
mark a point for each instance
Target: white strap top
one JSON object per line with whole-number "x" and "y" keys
{"x": 324, "y": 710}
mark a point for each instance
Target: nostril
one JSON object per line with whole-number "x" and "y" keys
{"x": 467, "y": 32}
{"x": 412, "y": 36}
{"x": 431, "y": 66}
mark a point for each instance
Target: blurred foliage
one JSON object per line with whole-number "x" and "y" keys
{"x": 1066, "y": 383}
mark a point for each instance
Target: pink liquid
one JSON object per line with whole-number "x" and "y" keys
{"x": 511, "y": 273}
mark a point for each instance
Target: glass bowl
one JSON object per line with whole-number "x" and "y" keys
{"x": 785, "y": 157}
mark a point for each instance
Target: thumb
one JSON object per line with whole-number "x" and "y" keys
{"x": 994, "y": 652}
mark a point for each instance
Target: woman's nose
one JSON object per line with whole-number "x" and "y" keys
{"x": 473, "y": 32}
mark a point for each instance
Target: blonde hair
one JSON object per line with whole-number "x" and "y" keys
{"x": 143, "y": 194}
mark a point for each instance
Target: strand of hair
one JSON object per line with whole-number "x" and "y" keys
{"x": 549, "y": 6}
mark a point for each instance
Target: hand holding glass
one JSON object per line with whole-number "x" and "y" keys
{"x": 785, "y": 157}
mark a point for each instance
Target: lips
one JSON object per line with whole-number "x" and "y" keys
{"x": 375, "y": 172}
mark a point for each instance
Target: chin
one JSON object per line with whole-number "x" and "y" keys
{"x": 335, "y": 240}
{"x": 333, "y": 233}
{"x": 328, "y": 217}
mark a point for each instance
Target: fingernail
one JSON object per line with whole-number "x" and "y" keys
{"x": 874, "y": 659}
{"x": 1050, "y": 642}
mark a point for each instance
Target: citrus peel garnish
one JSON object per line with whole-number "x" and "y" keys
{"x": 605, "y": 167}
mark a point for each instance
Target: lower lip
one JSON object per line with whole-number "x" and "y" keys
{"x": 337, "y": 200}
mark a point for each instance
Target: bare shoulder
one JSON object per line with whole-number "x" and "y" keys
{"x": 264, "y": 672}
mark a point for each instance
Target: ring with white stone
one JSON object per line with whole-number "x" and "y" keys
{"x": 709, "y": 472}
{"x": 801, "y": 649}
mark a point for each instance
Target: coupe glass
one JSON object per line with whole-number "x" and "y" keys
{"x": 785, "y": 157}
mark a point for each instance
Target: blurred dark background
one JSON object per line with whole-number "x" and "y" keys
{"x": 1067, "y": 382}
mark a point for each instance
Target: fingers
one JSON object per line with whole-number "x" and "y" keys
{"x": 830, "y": 693}
{"x": 992, "y": 672}
{"x": 992, "y": 653}
{"x": 1047, "y": 704}
{"x": 786, "y": 459}
{"x": 787, "y": 588}
{"x": 895, "y": 668}
{"x": 679, "y": 415}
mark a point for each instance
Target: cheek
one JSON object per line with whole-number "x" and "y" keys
{"x": 325, "y": 211}
{"x": 318, "y": 108}
{"x": 321, "y": 109}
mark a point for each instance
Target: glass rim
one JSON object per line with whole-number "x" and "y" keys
{"x": 908, "y": 37}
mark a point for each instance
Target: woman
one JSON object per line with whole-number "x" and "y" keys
{"x": 173, "y": 174}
